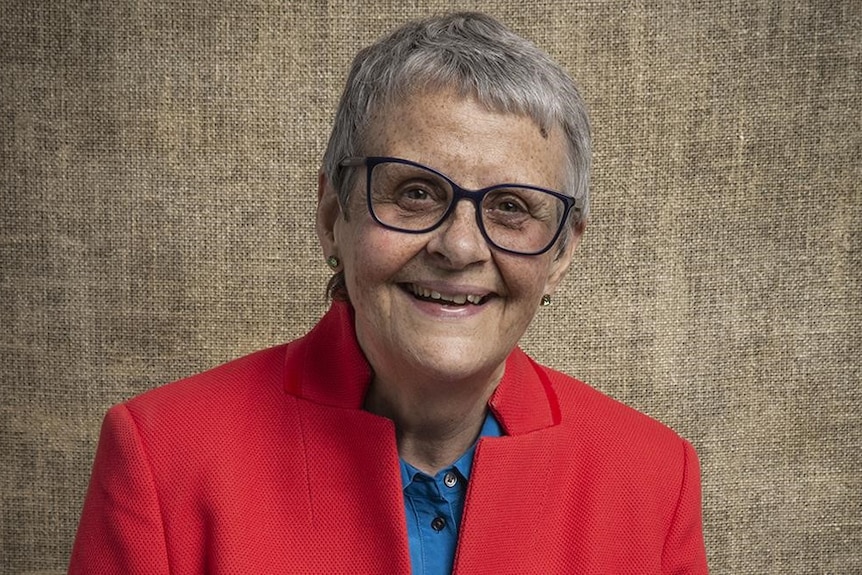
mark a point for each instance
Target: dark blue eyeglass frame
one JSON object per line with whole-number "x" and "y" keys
{"x": 458, "y": 194}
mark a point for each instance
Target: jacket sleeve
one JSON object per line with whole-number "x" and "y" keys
{"x": 121, "y": 529}
{"x": 684, "y": 551}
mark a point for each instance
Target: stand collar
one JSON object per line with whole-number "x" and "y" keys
{"x": 327, "y": 367}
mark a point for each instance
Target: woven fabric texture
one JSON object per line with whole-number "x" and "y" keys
{"x": 158, "y": 169}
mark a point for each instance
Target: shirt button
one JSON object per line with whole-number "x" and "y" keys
{"x": 438, "y": 524}
{"x": 450, "y": 479}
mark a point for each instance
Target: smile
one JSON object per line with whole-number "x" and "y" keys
{"x": 449, "y": 299}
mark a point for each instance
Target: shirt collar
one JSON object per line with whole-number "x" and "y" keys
{"x": 490, "y": 428}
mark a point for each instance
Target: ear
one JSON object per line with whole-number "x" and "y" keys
{"x": 328, "y": 212}
{"x": 560, "y": 264}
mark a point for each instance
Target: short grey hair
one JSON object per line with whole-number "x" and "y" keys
{"x": 478, "y": 57}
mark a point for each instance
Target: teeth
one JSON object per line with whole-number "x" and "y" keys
{"x": 459, "y": 299}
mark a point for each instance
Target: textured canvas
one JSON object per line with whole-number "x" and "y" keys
{"x": 158, "y": 167}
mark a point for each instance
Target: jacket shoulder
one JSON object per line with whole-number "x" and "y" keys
{"x": 590, "y": 411}
{"x": 230, "y": 388}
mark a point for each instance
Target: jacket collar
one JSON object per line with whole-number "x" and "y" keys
{"x": 327, "y": 366}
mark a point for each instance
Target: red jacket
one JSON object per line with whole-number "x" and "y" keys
{"x": 268, "y": 464}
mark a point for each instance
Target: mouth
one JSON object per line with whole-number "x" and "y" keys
{"x": 449, "y": 299}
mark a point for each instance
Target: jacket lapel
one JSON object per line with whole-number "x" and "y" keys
{"x": 354, "y": 487}
{"x": 509, "y": 483}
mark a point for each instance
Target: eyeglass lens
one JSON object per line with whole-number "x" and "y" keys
{"x": 412, "y": 198}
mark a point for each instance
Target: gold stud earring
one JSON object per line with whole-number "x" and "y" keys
{"x": 332, "y": 262}
{"x": 546, "y": 300}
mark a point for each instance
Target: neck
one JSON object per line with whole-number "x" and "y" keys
{"x": 434, "y": 428}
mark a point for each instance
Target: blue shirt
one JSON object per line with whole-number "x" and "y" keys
{"x": 434, "y": 506}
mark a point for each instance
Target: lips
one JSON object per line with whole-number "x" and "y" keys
{"x": 445, "y": 298}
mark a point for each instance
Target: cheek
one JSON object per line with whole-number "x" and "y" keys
{"x": 525, "y": 279}
{"x": 373, "y": 254}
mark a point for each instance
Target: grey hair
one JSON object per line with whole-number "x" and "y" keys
{"x": 478, "y": 57}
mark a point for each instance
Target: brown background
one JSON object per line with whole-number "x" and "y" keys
{"x": 158, "y": 185}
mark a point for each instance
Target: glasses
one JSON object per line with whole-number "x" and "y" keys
{"x": 408, "y": 197}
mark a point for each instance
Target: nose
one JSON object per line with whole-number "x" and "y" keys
{"x": 458, "y": 240}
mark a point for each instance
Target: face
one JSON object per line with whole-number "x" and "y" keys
{"x": 415, "y": 294}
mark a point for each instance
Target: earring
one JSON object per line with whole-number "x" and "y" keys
{"x": 546, "y": 300}
{"x": 332, "y": 262}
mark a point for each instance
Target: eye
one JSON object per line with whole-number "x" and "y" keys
{"x": 510, "y": 206}
{"x": 415, "y": 193}
{"x": 507, "y": 203}
{"x": 419, "y": 191}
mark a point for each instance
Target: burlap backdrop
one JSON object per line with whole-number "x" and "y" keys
{"x": 158, "y": 187}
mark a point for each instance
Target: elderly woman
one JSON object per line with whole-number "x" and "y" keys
{"x": 407, "y": 432}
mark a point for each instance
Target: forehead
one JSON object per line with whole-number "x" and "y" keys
{"x": 472, "y": 144}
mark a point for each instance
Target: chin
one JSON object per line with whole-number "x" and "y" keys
{"x": 459, "y": 363}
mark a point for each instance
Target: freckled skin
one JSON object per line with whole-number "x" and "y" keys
{"x": 418, "y": 349}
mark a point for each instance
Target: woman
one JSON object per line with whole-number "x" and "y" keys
{"x": 407, "y": 432}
